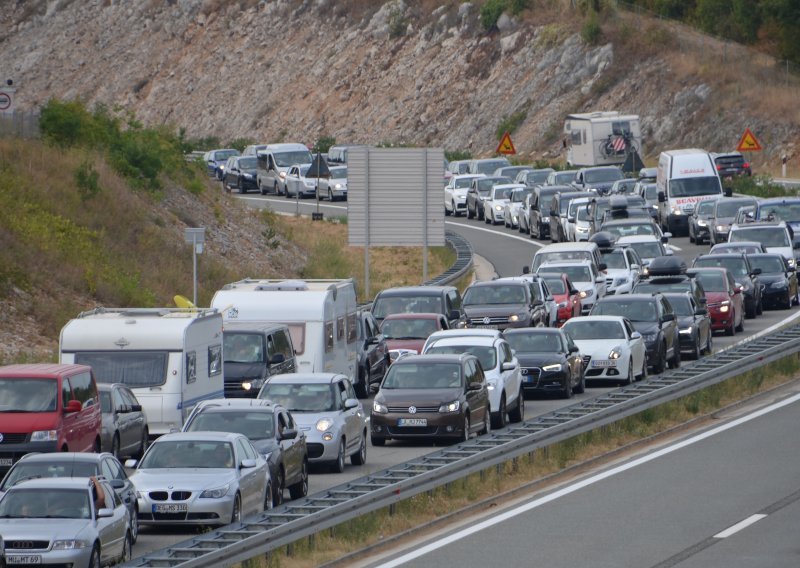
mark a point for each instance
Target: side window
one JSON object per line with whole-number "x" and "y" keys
{"x": 340, "y": 328}
{"x": 628, "y": 328}
{"x": 470, "y": 371}
{"x": 214, "y": 360}
{"x": 83, "y": 389}
{"x": 283, "y": 343}
{"x": 455, "y": 299}
{"x": 666, "y": 307}
{"x": 66, "y": 392}
{"x": 506, "y": 351}
{"x": 351, "y": 393}
{"x": 191, "y": 366}
{"x": 271, "y": 346}
{"x": 479, "y": 376}
{"x": 105, "y": 470}
{"x": 244, "y": 450}
{"x": 328, "y": 336}
{"x": 352, "y": 327}
{"x": 117, "y": 399}
{"x": 341, "y": 390}
{"x": 128, "y": 397}
{"x": 114, "y": 470}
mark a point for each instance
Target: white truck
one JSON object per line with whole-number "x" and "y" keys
{"x": 601, "y": 138}
{"x": 684, "y": 177}
{"x": 171, "y": 358}
{"x": 321, "y": 316}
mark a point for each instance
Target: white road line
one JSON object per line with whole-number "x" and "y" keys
{"x": 676, "y": 249}
{"x": 497, "y": 233}
{"x": 581, "y": 484}
{"x": 739, "y": 526}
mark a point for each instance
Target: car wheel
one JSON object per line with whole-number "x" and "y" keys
{"x": 269, "y": 502}
{"x": 362, "y": 386}
{"x": 731, "y": 329}
{"x": 239, "y": 186}
{"x": 278, "y": 485}
{"x": 142, "y": 444}
{"x": 566, "y": 390}
{"x": 115, "y": 445}
{"x": 643, "y": 374}
{"x": 275, "y": 189}
{"x": 236, "y": 513}
{"x": 134, "y": 525}
{"x": 94, "y": 560}
{"x": 465, "y": 435}
{"x": 750, "y": 312}
{"x": 518, "y": 414}
{"x": 338, "y": 463}
{"x": 661, "y": 363}
{"x": 789, "y": 302}
{"x": 499, "y": 418}
{"x": 261, "y": 189}
{"x": 692, "y": 239}
{"x": 127, "y": 549}
{"x": 709, "y": 348}
{"x": 697, "y": 351}
{"x": 740, "y": 327}
{"x": 580, "y": 388}
{"x": 97, "y": 447}
{"x": 760, "y": 307}
{"x": 487, "y": 423}
{"x": 470, "y": 213}
{"x": 630, "y": 379}
{"x": 300, "y": 489}
{"x": 378, "y": 442}
{"x": 360, "y": 457}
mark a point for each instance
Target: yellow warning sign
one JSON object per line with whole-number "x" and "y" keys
{"x": 748, "y": 142}
{"x": 506, "y": 146}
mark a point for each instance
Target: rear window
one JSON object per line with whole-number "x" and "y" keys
{"x": 255, "y": 425}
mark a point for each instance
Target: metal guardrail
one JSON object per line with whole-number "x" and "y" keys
{"x": 293, "y": 521}
{"x": 462, "y": 265}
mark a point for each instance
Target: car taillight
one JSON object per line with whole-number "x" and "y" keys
{"x": 745, "y": 165}
{"x": 719, "y": 166}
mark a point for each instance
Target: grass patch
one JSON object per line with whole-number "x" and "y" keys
{"x": 523, "y": 473}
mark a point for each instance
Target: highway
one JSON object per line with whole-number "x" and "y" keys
{"x": 508, "y": 251}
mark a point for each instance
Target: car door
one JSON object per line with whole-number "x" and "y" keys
{"x": 121, "y": 418}
{"x": 670, "y": 326}
{"x": 512, "y": 378}
{"x": 111, "y": 469}
{"x": 574, "y": 358}
{"x": 353, "y": 417}
{"x": 112, "y": 530}
{"x": 636, "y": 345}
{"x": 477, "y": 400}
{"x": 291, "y": 458}
{"x": 249, "y": 477}
{"x": 291, "y": 181}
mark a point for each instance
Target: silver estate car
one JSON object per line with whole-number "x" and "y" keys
{"x": 200, "y": 478}
{"x": 54, "y": 521}
{"x": 326, "y": 409}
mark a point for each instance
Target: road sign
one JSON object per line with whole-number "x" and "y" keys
{"x": 506, "y": 146}
{"x": 748, "y": 142}
{"x": 5, "y": 100}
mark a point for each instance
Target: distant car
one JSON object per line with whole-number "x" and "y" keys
{"x": 373, "y": 354}
{"x": 511, "y": 171}
{"x": 215, "y": 161}
{"x": 559, "y": 213}
{"x": 699, "y": 220}
{"x": 78, "y": 465}
{"x": 623, "y": 270}
{"x": 567, "y": 297}
{"x": 583, "y": 275}
{"x": 612, "y": 349}
{"x": 578, "y": 225}
{"x": 623, "y": 186}
{"x": 405, "y": 334}
{"x": 335, "y": 186}
{"x": 201, "y": 478}
{"x": 419, "y": 299}
{"x": 494, "y": 206}
{"x": 648, "y": 191}
{"x": 431, "y": 396}
{"x": 512, "y": 210}
{"x": 271, "y": 429}
{"x": 725, "y": 210}
{"x": 125, "y": 431}
{"x": 455, "y": 193}
{"x": 647, "y": 247}
{"x": 297, "y": 183}
{"x": 479, "y": 191}
{"x": 550, "y": 361}
{"x": 731, "y": 164}
{"x": 669, "y": 274}
{"x": 534, "y": 177}
{"x": 458, "y": 167}
{"x": 743, "y": 273}
{"x": 776, "y": 237}
{"x": 240, "y": 174}
{"x": 563, "y": 177}
{"x": 779, "y": 280}
{"x": 725, "y": 298}
{"x": 739, "y": 247}
{"x": 325, "y": 407}
{"x": 56, "y": 522}
{"x": 633, "y": 227}
{"x": 694, "y": 324}
{"x": 541, "y": 291}
{"x": 500, "y": 366}
{"x": 598, "y": 178}
{"x": 541, "y": 200}
{"x": 487, "y": 166}
{"x": 495, "y": 304}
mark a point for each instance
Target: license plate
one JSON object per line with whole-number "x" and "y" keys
{"x": 6, "y": 461}
{"x": 171, "y": 508}
{"x": 412, "y": 421}
{"x": 482, "y": 326}
{"x": 24, "y": 559}
{"x": 529, "y": 378}
{"x": 606, "y": 363}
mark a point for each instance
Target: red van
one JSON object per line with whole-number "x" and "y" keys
{"x": 47, "y": 408}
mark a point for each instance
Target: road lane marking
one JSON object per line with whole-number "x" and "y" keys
{"x": 752, "y": 519}
{"x": 536, "y": 503}
{"x": 496, "y": 233}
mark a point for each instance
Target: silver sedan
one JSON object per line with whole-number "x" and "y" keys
{"x": 201, "y": 478}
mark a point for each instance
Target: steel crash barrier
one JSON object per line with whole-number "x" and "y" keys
{"x": 272, "y": 529}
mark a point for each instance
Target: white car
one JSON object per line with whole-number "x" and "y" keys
{"x": 773, "y": 235}
{"x": 335, "y": 186}
{"x": 494, "y": 206}
{"x": 455, "y": 193}
{"x": 611, "y": 348}
{"x": 647, "y": 247}
{"x": 623, "y": 270}
{"x": 513, "y": 208}
{"x": 583, "y": 275}
{"x": 502, "y": 370}
{"x": 578, "y": 225}
{"x": 297, "y": 183}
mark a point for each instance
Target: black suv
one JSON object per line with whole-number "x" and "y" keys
{"x": 652, "y": 316}
{"x": 539, "y": 212}
{"x": 743, "y": 273}
{"x": 373, "y": 355}
{"x": 497, "y": 304}
{"x": 479, "y": 192}
{"x": 731, "y": 164}
{"x": 419, "y": 299}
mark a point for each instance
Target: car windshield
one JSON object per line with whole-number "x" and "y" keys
{"x": 712, "y": 281}
{"x": 495, "y": 294}
{"x": 408, "y": 328}
{"x": 423, "y": 376}
{"x": 647, "y": 286}
{"x": 634, "y": 310}
{"x": 556, "y": 285}
{"x": 574, "y": 273}
{"x": 555, "y": 256}
{"x": 489, "y": 166}
{"x": 46, "y": 503}
{"x": 28, "y": 395}
{"x": 705, "y": 207}
{"x": 241, "y": 347}
{"x": 582, "y": 214}
{"x": 694, "y": 186}
{"x": 533, "y": 342}
{"x": 486, "y": 354}
{"x": 255, "y": 425}
{"x": 587, "y": 329}
{"x": 341, "y": 173}
{"x": 286, "y": 159}
{"x": 248, "y": 163}
{"x": 602, "y": 175}
{"x": 221, "y": 155}
{"x": 627, "y": 230}
{"x": 615, "y": 259}
{"x": 726, "y": 208}
{"x": 768, "y": 236}
{"x": 195, "y": 454}
{"x": 735, "y": 264}
{"x": 55, "y": 467}
{"x": 301, "y": 397}
{"x": 575, "y": 206}
{"x": 782, "y": 211}
{"x": 501, "y": 193}
{"x": 768, "y": 264}
{"x": 647, "y": 249}
{"x": 386, "y": 305}
{"x": 681, "y": 305}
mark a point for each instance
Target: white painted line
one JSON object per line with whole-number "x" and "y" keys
{"x": 581, "y": 484}
{"x": 496, "y": 233}
{"x": 676, "y": 249}
{"x": 739, "y": 526}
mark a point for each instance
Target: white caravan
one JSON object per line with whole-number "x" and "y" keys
{"x": 171, "y": 358}
{"x": 320, "y": 314}
{"x": 601, "y": 138}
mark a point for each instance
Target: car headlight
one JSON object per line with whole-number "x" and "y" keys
{"x": 222, "y": 167}
{"x": 282, "y": 175}
{"x": 616, "y": 353}
{"x": 650, "y": 337}
{"x": 779, "y": 285}
{"x": 252, "y": 384}
{"x": 582, "y": 229}
{"x": 70, "y": 544}
{"x": 517, "y": 317}
{"x": 620, "y": 281}
{"x": 337, "y": 186}
{"x": 791, "y": 262}
{"x": 545, "y": 219}
{"x": 721, "y": 227}
{"x": 498, "y": 207}
{"x": 454, "y": 406}
{"x": 552, "y": 368}
{"x": 216, "y": 493}
{"x": 686, "y": 331}
{"x": 379, "y": 408}
{"x": 587, "y": 293}
{"x": 44, "y": 436}
{"x": 491, "y": 384}
{"x": 324, "y": 424}
{"x": 702, "y": 223}
{"x": 677, "y": 211}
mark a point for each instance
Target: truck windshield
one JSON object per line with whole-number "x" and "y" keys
{"x": 28, "y": 395}
{"x": 132, "y": 368}
{"x": 694, "y": 186}
{"x": 286, "y": 159}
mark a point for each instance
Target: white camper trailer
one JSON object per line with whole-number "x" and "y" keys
{"x": 171, "y": 358}
{"x": 601, "y": 138}
{"x": 320, "y": 314}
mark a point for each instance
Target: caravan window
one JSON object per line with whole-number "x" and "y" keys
{"x": 191, "y": 367}
{"x": 575, "y": 137}
{"x": 134, "y": 369}
{"x": 621, "y": 128}
{"x": 328, "y": 336}
{"x": 214, "y": 360}
{"x": 352, "y": 328}
{"x": 339, "y": 329}
{"x": 298, "y": 333}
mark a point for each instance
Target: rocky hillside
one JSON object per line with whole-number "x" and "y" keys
{"x": 413, "y": 72}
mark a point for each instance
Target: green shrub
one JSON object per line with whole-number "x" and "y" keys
{"x": 452, "y": 155}
{"x": 517, "y": 6}
{"x": 760, "y": 185}
{"x": 398, "y": 24}
{"x": 591, "y": 32}
{"x": 509, "y": 123}
{"x": 491, "y": 12}
{"x": 86, "y": 178}
{"x": 323, "y": 144}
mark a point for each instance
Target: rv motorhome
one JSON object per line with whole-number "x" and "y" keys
{"x": 601, "y": 138}
{"x": 171, "y": 358}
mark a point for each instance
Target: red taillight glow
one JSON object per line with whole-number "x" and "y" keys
{"x": 719, "y": 167}
{"x": 745, "y": 165}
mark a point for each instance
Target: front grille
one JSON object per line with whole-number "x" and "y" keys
{"x": 14, "y": 439}
{"x": 235, "y": 390}
{"x": 26, "y": 545}
{"x": 181, "y": 495}
{"x": 315, "y": 450}
{"x": 420, "y": 409}
{"x": 491, "y": 320}
{"x": 169, "y": 516}
{"x": 158, "y": 495}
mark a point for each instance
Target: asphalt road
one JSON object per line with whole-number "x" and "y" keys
{"x": 508, "y": 251}
{"x": 727, "y": 496}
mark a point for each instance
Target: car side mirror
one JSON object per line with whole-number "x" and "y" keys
{"x": 131, "y": 463}
{"x": 667, "y": 317}
{"x": 526, "y": 269}
{"x": 350, "y": 403}
{"x": 661, "y": 197}
{"x": 636, "y": 335}
{"x": 573, "y": 291}
{"x": 668, "y": 251}
{"x": 756, "y": 272}
{"x": 475, "y": 386}
{"x": 73, "y": 406}
{"x": 105, "y": 513}
{"x": 571, "y": 219}
{"x": 728, "y": 191}
{"x": 537, "y": 303}
{"x": 553, "y": 212}
{"x": 247, "y": 463}
{"x": 550, "y": 299}
{"x": 374, "y": 340}
{"x": 635, "y": 266}
{"x": 508, "y": 366}
{"x": 116, "y": 483}
{"x": 602, "y": 266}
{"x": 277, "y": 358}
{"x": 136, "y": 407}
{"x": 454, "y": 315}
{"x": 288, "y": 434}
{"x": 701, "y": 312}
{"x": 599, "y": 279}
{"x": 573, "y": 349}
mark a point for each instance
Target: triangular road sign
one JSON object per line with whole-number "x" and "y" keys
{"x": 748, "y": 142}
{"x": 506, "y": 146}
{"x": 319, "y": 167}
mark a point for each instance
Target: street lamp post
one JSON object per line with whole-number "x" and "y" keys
{"x": 196, "y": 238}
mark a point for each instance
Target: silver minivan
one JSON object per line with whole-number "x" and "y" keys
{"x": 274, "y": 161}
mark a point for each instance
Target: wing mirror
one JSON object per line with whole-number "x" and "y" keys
{"x": 475, "y": 386}
{"x": 636, "y": 335}
{"x": 277, "y": 358}
{"x": 661, "y": 197}
{"x": 288, "y": 434}
{"x": 73, "y": 406}
{"x": 756, "y": 272}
